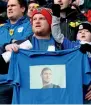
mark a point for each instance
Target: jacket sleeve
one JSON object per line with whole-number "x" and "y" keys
{"x": 56, "y": 30}
{"x": 4, "y": 66}
{"x": 2, "y": 48}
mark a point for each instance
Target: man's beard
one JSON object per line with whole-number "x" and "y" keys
{"x": 39, "y": 33}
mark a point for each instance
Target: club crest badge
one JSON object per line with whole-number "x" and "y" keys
{"x": 20, "y": 29}
{"x": 11, "y": 32}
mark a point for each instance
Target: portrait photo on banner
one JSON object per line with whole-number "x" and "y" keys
{"x": 47, "y": 76}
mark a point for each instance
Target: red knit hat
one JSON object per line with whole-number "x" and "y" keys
{"x": 45, "y": 12}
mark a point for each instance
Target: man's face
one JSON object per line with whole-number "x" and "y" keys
{"x": 63, "y": 3}
{"x": 14, "y": 10}
{"x": 84, "y": 35}
{"x": 47, "y": 76}
{"x": 31, "y": 8}
{"x": 40, "y": 24}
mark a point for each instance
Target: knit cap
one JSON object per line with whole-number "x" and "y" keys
{"x": 84, "y": 26}
{"x": 45, "y": 12}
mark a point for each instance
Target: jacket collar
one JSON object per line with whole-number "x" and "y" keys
{"x": 19, "y": 21}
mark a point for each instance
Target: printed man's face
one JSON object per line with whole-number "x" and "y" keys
{"x": 47, "y": 76}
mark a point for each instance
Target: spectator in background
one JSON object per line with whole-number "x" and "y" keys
{"x": 17, "y": 27}
{"x": 32, "y": 5}
{"x": 85, "y": 7}
{"x": 69, "y": 18}
{"x": 45, "y": 3}
{"x": 41, "y": 2}
{"x": 88, "y": 15}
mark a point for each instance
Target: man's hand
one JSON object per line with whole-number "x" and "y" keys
{"x": 12, "y": 47}
{"x": 88, "y": 95}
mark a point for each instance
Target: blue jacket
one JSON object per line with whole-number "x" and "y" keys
{"x": 18, "y": 31}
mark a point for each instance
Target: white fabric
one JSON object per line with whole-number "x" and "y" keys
{"x": 25, "y": 45}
